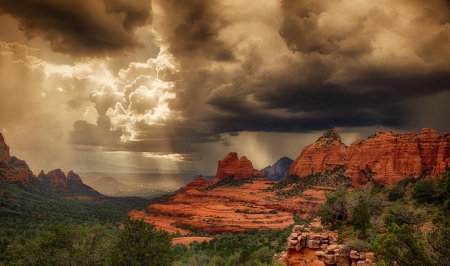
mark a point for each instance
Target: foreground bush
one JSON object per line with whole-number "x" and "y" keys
{"x": 140, "y": 243}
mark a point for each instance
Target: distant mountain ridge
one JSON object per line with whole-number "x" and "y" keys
{"x": 14, "y": 170}
{"x": 278, "y": 170}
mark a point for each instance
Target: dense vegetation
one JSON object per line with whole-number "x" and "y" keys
{"x": 404, "y": 224}
{"x": 293, "y": 186}
{"x": 67, "y": 244}
{"x": 251, "y": 248}
{"x": 27, "y": 210}
{"x": 35, "y": 200}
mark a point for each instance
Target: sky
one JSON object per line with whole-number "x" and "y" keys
{"x": 176, "y": 85}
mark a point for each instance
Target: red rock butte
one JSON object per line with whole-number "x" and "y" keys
{"x": 206, "y": 206}
{"x": 231, "y": 165}
{"x": 386, "y": 157}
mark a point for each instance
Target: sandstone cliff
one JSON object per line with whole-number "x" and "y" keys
{"x": 56, "y": 178}
{"x": 231, "y": 165}
{"x": 74, "y": 177}
{"x": 15, "y": 171}
{"x": 4, "y": 150}
{"x": 386, "y": 157}
{"x": 279, "y": 170}
{"x": 70, "y": 185}
{"x": 322, "y": 156}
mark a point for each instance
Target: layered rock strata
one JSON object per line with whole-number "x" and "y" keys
{"x": 386, "y": 157}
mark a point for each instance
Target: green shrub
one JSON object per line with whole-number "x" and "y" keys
{"x": 361, "y": 219}
{"x": 424, "y": 191}
{"x": 399, "y": 246}
{"x": 401, "y": 213}
{"x": 140, "y": 243}
{"x": 397, "y": 192}
{"x": 359, "y": 245}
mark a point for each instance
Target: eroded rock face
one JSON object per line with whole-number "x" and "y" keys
{"x": 199, "y": 182}
{"x": 71, "y": 186}
{"x": 74, "y": 177}
{"x": 324, "y": 155}
{"x": 15, "y": 170}
{"x": 57, "y": 179}
{"x": 4, "y": 150}
{"x": 279, "y": 170}
{"x": 435, "y": 151}
{"x": 386, "y": 157}
{"x": 231, "y": 165}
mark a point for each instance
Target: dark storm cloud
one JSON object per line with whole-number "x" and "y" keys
{"x": 351, "y": 67}
{"x": 321, "y": 121}
{"x": 302, "y": 32}
{"x": 191, "y": 28}
{"x": 82, "y": 28}
{"x": 322, "y": 65}
{"x": 369, "y": 91}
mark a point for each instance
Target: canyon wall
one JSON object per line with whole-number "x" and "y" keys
{"x": 386, "y": 157}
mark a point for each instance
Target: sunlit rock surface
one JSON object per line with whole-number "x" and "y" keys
{"x": 385, "y": 157}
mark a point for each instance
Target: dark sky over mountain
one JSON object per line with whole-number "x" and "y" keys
{"x": 177, "y": 84}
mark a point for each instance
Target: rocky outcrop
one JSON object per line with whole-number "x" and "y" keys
{"x": 73, "y": 177}
{"x": 4, "y": 150}
{"x": 385, "y": 157}
{"x": 279, "y": 170}
{"x": 434, "y": 150}
{"x": 56, "y": 178}
{"x": 324, "y": 155}
{"x": 15, "y": 170}
{"x": 199, "y": 182}
{"x": 70, "y": 186}
{"x": 325, "y": 246}
{"x": 231, "y": 165}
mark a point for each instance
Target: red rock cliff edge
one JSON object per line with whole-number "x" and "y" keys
{"x": 387, "y": 157}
